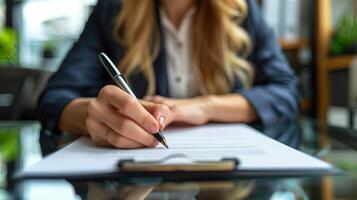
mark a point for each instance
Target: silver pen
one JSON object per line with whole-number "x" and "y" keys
{"x": 121, "y": 82}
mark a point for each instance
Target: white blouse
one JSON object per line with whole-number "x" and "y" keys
{"x": 181, "y": 78}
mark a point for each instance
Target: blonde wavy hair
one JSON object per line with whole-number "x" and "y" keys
{"x": 220, "y": 46}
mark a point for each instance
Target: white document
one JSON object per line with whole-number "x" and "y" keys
{"x": 206, "y": 143}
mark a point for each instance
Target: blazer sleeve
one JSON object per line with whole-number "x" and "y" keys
{"x": 80, "y": 74}
{"x": 275, "y": 94}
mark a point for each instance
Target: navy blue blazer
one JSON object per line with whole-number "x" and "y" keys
{"x": 274, "y": 95}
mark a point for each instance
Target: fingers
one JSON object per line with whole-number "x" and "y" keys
{"x": 131, "y": 130}
{"x": 161, "y": 113}
{"x": 171, "y": 102}
{"x": 129, "y": 107}
{"x": 120, "y": 124}
{"x": 97, "y": 131}
{"x": 158, "y": 100}
{"x": 154, "y": 99}
{"x": 102, "y": 135}
{"x": 120, "y": 141}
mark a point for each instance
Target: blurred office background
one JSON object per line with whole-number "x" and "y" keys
{"x": 35, "y": 35}
{"x": 318, "y": 37}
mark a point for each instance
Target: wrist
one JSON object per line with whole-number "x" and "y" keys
{"x": 228, "y": 108}
{"x": 73, "y": 117}
{"x": 208, "y": 106}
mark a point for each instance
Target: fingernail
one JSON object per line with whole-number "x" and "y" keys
{"x": 153, "y": 128}
{"x": 162, "y": 121}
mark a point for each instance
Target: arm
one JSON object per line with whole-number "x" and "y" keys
{"x": 230, "y": 108}
{"x": 78, "y": 99}
{"x": 275, "y": 94}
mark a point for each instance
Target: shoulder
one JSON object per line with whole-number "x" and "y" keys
{"x": 260, "y": 33}
{"x": 253, "y": 7}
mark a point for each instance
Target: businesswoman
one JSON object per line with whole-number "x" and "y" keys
{"x": 189, "y": 61}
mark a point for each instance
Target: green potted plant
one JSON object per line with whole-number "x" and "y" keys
{"x": 344, "y": 40}
{"x": 8, "y": 46}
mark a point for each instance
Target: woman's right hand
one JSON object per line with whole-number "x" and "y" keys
{"x": 117, "y": 119}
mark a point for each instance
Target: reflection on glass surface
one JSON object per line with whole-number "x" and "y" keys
{"x": 244, "y": 189}
{"x": 287, "y": 133}
{"x": 9, "y": 152}
{"x": 19, "y": 144}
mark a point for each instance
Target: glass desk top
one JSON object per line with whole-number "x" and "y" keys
{"x": 21, "y": 146}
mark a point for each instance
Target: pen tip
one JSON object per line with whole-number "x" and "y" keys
{"x": 162, "y": 139}
{"x": 165, "y": 144}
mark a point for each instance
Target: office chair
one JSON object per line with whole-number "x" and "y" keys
{"x": 19, "y": 91}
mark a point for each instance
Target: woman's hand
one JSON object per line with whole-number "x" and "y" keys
{"x": 189, "y": 111}
{"x": 218, "y": 108}
{"x": 115, "y": 118}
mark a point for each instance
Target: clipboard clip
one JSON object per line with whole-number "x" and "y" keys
{"x": 186, "y": 164}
